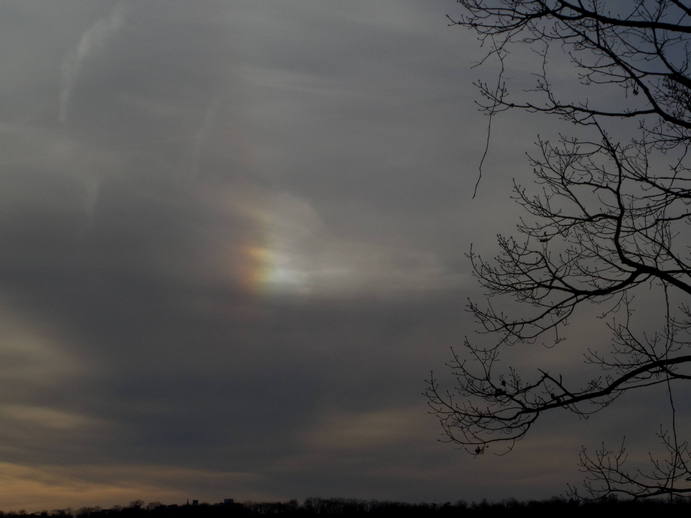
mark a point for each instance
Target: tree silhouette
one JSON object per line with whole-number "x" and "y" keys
{"x": 607, "y": 226}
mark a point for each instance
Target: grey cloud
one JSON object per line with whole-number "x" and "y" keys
{"x": 193, "y": 136}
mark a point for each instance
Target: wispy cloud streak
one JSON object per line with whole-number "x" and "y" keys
{"x": 203, "y": 134}
{"x": 93, "y": 39}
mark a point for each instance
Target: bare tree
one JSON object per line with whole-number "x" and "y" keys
{"x": 609, "y": 219}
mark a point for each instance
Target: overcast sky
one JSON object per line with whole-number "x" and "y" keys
{"x": 233, "y": 238}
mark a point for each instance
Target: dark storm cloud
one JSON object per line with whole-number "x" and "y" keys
{"x": 151, "y": 146}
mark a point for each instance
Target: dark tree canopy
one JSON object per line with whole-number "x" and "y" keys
{"x": 640, "y": 46}
{"x": 609, "y": 220}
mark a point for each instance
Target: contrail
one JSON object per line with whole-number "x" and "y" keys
{"x": 91, "y": 41}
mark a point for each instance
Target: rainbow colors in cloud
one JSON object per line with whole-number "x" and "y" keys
{"x": 271, "y": 272}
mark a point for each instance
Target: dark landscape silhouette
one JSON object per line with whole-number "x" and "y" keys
{"x": 352, "y": 507}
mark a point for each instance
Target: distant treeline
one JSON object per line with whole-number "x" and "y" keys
{"x": 347, "y": 507}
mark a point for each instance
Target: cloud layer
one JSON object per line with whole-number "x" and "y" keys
{"x": 233, "y": 252}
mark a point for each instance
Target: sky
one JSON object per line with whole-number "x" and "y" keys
{"x": 233, "y": 248}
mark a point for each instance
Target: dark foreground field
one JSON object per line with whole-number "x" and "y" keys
{"x": 344, "y": 507}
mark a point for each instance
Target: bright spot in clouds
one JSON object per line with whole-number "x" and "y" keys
{"x": 273, "y": 271}
{"x": 297, "y": 253}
